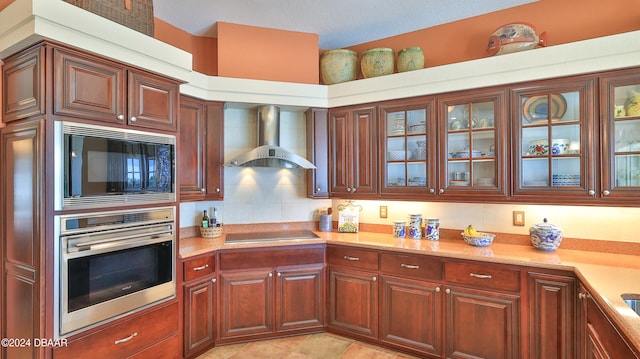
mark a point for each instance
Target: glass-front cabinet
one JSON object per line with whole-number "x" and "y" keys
{"x": 553, "y": 148}
{"x": 620, "y": 108}
{"x": 407, "y": 148}
{"x": 472, "y": 145}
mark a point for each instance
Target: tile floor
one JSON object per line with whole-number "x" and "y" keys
{"x": 314, "y": 346}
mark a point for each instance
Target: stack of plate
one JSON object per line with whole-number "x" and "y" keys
{"x": 565, "y": 180}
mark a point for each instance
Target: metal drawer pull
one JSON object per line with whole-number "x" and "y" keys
{"x": 124, "y": 340}
{"x": 410, "y": 266}
{"x": 351, "y": 258}
{"x": 201, "y": 267}
{"x": 480, "y": 276}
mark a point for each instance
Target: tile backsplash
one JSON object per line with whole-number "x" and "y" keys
{"x": 272, "y": 195}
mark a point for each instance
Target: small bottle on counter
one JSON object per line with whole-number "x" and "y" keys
{"x": 205, "y": 220}
{"x": 214, "y": 218}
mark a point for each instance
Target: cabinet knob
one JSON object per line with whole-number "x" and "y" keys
{"x": 133, "y": 119}
{"x": 203, "y": 190}
{"x": 353, "y": 190}
{"x": 217, "y": 189}
{"x": 374, "y": 279}
{"x": 349, "y": 189}
{"x": 591, "y": 193}
{"x": 279, "y": 274}
{"x": 214, "y": 280}
{"x": 317, "y": 189}
{"x": 120, "y": 117}
{"x": 437, "y": 289}
{"x": 270, "y": 274}
{"x": 582, "y": 295}
{"x": 606, "y": 192}
{"x": 448, "y": 291}
{"x": 432, "y": 190}
{"x": 441, "y": 191}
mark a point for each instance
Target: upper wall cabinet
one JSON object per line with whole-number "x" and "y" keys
{"x": 352, "y": 149}
{"x": 620, "y": 111}
{"x": 92, "y": 88}
{"x": 407, "y": 147}
{"x": 200, "y": 150}
{"x": 554, "y": 141}
{"x": 472, "y": 145}
{"x": 24, "y": 71}
{"x": 317, "y": 152}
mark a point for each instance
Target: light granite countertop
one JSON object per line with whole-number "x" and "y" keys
{"x": 606, "y": 275}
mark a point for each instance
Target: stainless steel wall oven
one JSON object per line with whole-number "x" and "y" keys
{"x": 112, "y": 263}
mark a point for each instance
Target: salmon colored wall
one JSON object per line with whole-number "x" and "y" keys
{"x": 564, "y": 21}
{"x": 203, "y": 49}
{"x": 5, "y": 3}
{"x": 267, "y": 54}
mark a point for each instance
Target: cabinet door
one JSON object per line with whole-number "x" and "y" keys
{"x": 554, "y": 145}
{"x": 603, "y": 338}
{"x": 299, "y": 298}
{"x": 246, "y": 303}
{"x": 353, "y": 302}
{"x": 352, "y": 147}
{"x": 473, "y": 145}
{"x": 214, "y": 159}
{"x": 407, "y": 148}
{"x": 199, "y": 307}
{"x": 318, "y": 153}
{"x": 494, "y": 331}
{"x": 620, "y": 111}
{"x": 552, "y": 319}
{"x": 411, "y": 315}
{"x": 152, "y": 101}
{"x": 22, "y": 251}
{"x": 191, "y": 149}
{"x": 23, "y": 85}
{"x": 87, "y": 87}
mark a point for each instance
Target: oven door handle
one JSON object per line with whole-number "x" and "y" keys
{"x": 154, "y": 235}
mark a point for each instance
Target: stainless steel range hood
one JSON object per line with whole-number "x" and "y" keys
{"x": 269, "y": 153}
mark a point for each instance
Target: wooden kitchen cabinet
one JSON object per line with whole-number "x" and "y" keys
{"x": 555, "y": 145}
{"x": 490, "y": 295}
{"x": 129, "y": 338}
{"x": 552, "y": 316}
{"x": 318, "y": 152}
{"x": 473, "y": 145}
{"x": 620, "y": 133}
{"x": 353, "y": 291}
{"x": 199, "y": 304}
{"x": 598, "y": 336}
{"x": 407, "y": 148}
{"x": 23, "y": 241}
{"x": 23, "y": 84}
{"x": 200, "y": 150}
{"x": 353, "y": 140}
{"x": 279, "y": 292}
{"x": 92, "y": 88}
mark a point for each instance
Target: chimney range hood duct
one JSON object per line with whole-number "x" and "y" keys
{"x": 269, "y": 153}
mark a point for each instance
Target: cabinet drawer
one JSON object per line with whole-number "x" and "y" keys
{"x": 166, "y": 349}
{"x": 125, "y": 338}
{"x": 411, "y": 266}
{"x": 483, "y": 275}
{"x": 352, "y": 257}
{"x": 198, "y": 267}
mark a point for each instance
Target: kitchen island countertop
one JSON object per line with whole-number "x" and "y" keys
{"x": 606, "y": 275}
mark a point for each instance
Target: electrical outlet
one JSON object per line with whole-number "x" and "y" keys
{"x": 518, "y": 218}
{"x": 383, "y": 211}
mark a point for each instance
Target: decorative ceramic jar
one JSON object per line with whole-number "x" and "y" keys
{"x": 411, "y": 58}
{"x": 415, "y": 226}
{"x": 432, "y": 229}
{"x": 377, "y": 62}
{"x": 338, "y": 65}
{"x": 513, "y": 38}
{"x": 399, "y": 228}
{"x": 545, "y": 236}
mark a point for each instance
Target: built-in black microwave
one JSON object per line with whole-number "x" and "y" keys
{"x": 98, "y": 166}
